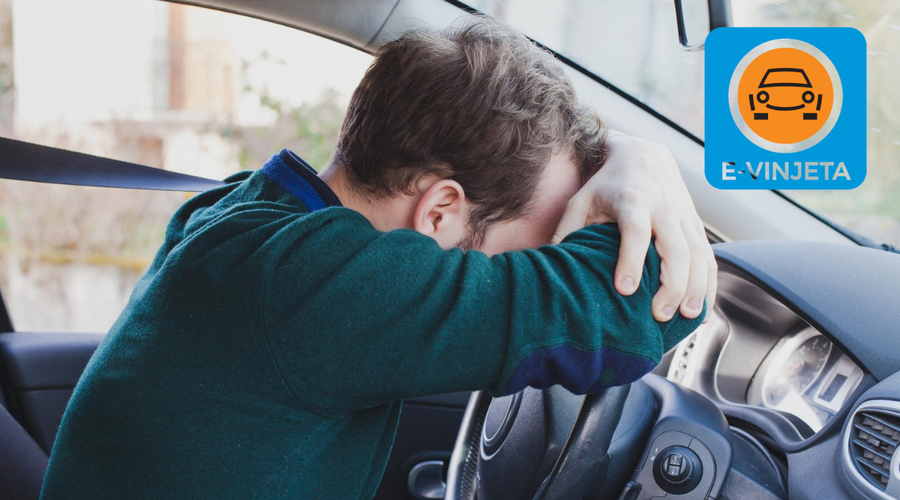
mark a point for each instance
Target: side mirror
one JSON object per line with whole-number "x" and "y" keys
{"x": 697, "y": 18}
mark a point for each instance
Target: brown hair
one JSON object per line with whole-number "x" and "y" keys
{"x": 477, "y": 103}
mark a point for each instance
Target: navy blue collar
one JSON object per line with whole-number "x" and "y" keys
{"x": 294, "y": 175}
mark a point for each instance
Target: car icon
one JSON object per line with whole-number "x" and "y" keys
{"x": 781, "y": 82}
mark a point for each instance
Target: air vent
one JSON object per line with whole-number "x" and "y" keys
{"x": 682, "y": 358}
{"x": 873, "y": 439}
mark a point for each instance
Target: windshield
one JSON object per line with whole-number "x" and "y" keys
{"x": 634, "y": 46}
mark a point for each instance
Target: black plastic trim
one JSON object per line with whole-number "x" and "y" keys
{"x": 719, "y": 14}
{"x": 719, "y": 17}
{"x": 5, "y": 319}
{"x": 770, "y": 459}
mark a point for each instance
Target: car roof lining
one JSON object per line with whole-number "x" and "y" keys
{"x": 361, "y": 24}
{"x": 356, "y": 23}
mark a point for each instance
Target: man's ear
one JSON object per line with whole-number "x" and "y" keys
{"x": 442, "y": 213}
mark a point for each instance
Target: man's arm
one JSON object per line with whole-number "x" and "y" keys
{"x": 357, "y": 317}
{"x": 641, "y": 189}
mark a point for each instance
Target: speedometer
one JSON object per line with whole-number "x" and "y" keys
{"x": 806, "y": 376}
{"x": 796, "y": 367}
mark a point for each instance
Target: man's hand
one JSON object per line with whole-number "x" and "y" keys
{"x": 640, "y": 189}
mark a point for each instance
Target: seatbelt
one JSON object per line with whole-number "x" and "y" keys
{"x": 24, "y": 161}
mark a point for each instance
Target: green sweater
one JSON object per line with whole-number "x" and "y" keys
{"x": 267, "y": 349}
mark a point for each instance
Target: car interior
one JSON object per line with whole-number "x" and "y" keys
{"x": 792, "y": 390}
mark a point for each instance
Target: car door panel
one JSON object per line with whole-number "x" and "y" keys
{"x": 427, "y": 432}
{"x": 40, "y": 371}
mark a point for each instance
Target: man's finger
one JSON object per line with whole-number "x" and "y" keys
{"x": 573, "y": 219}
{"x": 635, "y": 233}
{"x": 674, "y": 271}
{"x": 692, "y": 303}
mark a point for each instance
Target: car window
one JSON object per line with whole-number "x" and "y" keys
{"x": 166, "y": 85}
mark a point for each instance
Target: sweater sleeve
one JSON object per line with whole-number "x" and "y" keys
{"x": 357, "y": 317}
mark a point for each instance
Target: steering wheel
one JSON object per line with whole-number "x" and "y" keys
{"x": 535, "y": 444}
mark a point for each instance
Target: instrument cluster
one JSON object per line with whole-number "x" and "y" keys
{"x": 805, "y": 375}
{"x": 756, "y": 352}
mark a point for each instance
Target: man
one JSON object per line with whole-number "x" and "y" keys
{"x": 265, "y": 352}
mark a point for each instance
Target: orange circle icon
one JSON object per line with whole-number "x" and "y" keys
{"x": 785, "y": 95}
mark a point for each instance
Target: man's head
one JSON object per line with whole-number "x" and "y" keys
{"x": 471, "y": 135}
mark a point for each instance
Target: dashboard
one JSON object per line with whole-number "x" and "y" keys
{"x": 799, "y": 358}
{"x": 757, "y": 353}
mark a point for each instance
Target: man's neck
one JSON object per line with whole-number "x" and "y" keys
{"x": 385, "y": 213}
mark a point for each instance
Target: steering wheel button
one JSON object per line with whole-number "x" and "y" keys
{"x": 678, "y": 470}
{"x": 673, "y": 472}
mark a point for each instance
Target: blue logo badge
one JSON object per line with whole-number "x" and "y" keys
{"x": 785, "y": 108}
